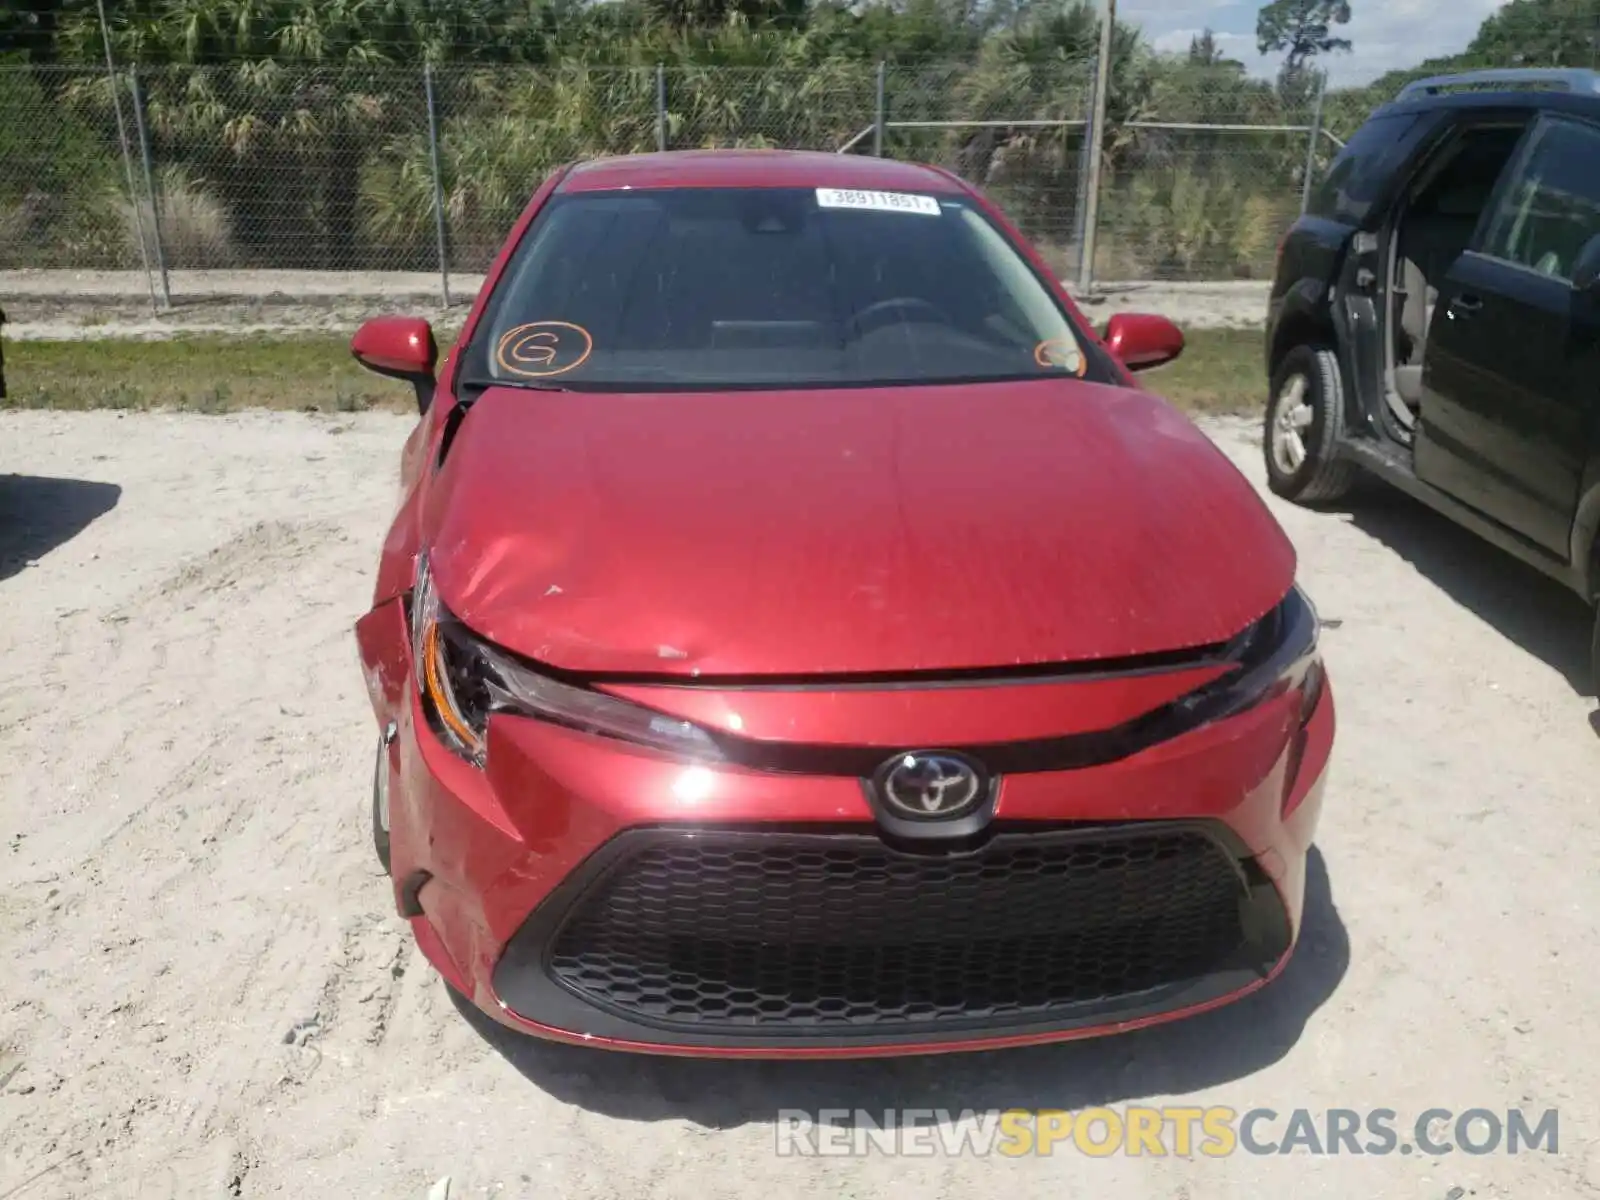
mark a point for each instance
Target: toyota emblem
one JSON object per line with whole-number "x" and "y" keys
{"x": 926, "y": 785}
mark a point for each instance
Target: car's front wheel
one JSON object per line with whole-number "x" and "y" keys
{"x": 1305, "y": 422}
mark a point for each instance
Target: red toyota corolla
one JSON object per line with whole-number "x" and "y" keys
{"x": 800, "y": 635}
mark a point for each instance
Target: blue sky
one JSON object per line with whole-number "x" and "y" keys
{"x": 1386, "y": 33}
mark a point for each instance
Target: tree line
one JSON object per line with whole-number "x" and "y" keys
{"x": 291, "y": 133}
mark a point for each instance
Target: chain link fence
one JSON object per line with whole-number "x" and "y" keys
{"x": 262, "y": 166}
{"x": 64, "y": 195}
{"x": 1205, "y": 176}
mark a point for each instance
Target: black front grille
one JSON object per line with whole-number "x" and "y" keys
{"x": 720, "y": 931}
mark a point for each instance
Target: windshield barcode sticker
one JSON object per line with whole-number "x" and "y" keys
{"x": 877, "y": 201}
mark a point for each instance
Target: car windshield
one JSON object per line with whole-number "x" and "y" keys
{"x": 765, "y": 288}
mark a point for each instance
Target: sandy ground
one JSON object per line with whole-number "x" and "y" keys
{"x": 206, "y": 992}
{"x": 98, "y": 304}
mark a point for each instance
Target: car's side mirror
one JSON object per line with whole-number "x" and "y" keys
{"x": 399, "y": 348}
{"x": 1586, "y": 271}
{"x": 1141, "y": 341}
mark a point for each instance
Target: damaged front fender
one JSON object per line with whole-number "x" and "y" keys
{"x": 385, "y": 663}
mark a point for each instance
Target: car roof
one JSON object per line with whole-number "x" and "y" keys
{"x": 755, "y": 169}
{"x": 1558, "y": 89}
{"x": 1510, "y": 98}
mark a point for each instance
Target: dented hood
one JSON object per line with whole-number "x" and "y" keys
{"x": 846, "y": 531}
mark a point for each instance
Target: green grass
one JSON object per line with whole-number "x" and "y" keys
{"x": 210, "y": 373}
{"x": 1220, "y": 372}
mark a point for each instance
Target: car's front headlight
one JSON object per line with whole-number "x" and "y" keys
{"x": 462, "y": 680}
{"x": 1277, "y": 654}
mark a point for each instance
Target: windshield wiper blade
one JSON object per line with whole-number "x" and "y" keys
{"x": 526, "y": 385}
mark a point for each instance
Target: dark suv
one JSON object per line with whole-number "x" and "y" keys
{"x": 1435, "y": 320}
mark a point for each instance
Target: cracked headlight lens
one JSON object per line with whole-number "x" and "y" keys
{"x": 463, "y": 679}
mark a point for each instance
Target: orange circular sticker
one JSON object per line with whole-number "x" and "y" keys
{"x": 1061, "y": 353}
{"x": 543, "y": 348}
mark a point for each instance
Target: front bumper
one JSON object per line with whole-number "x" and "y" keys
{"x": 582, "y": 891}
{"x": 831, "y": 940}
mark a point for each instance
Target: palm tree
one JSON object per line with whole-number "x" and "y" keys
{"x": 277, "y": 103}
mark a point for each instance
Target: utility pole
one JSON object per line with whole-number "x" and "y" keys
{"x": 1097, "y": 143}
{"x": 127, "y": 155}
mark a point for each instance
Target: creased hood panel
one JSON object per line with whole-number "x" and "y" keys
{"x": 846, "y": 531}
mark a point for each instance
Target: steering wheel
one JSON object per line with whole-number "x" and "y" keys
{"x": 875, "y": 314}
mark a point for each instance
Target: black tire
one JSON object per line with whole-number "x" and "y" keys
{"x": 1320, "y": 476}
{"x": 1594, "y": 636}
{"x": 380, "y": 835}
{"x": 1594, "y": 654}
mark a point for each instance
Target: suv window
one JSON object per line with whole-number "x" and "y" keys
{"x": 1551, "y": 206}
{"x": 1361, "y": 168}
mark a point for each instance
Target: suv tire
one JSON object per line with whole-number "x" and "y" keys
{"x": 1594, "y": 654}
{"x": 1594, "y": 637}
{"x": 1305, "y": 422}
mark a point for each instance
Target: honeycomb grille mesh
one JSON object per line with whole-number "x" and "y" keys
{"x": 845, "y": 932}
